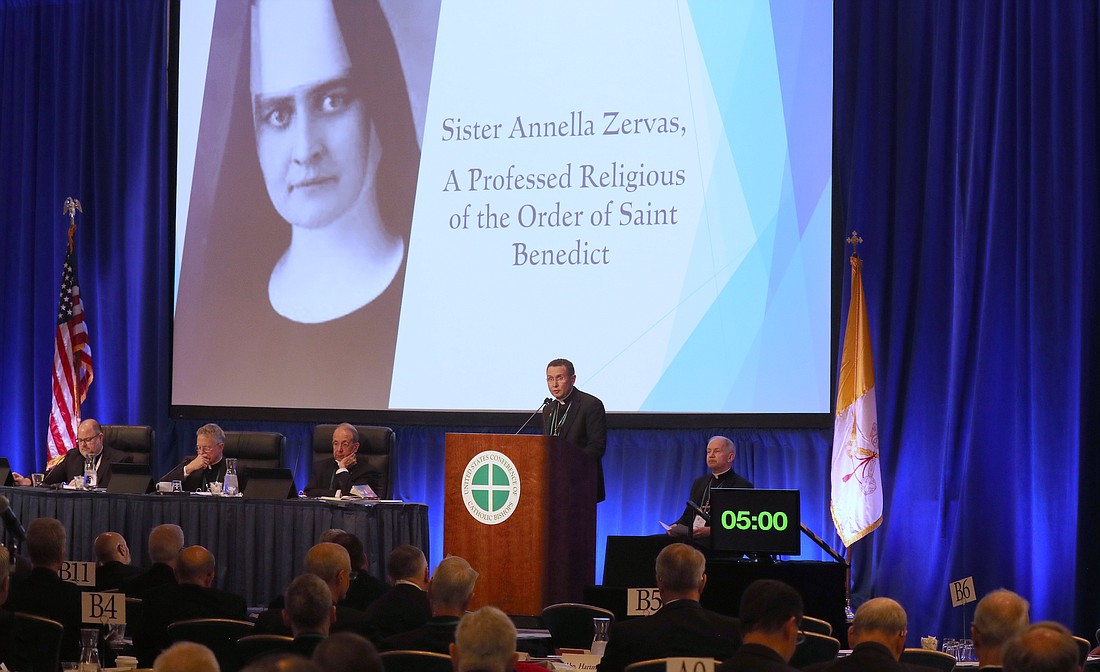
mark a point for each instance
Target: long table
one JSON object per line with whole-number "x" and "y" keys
{"x": 259, "y": 545}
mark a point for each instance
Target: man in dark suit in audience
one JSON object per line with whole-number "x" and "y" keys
{"x": 770, "y": 614}
{"x": 681, "y": 627}
{"x": 344, "y": 469}
{"x": 13, "y": 646}
{"x": 309, "y": 613}
{"x": 112, "y": 557}
{"x": 999, "y": 616}
{"x": 577, "y": 417}
{"x": 877, "y": 638}
{"x": 89, "y": 443}
{"x": 405, "y": 606}
{"x": 1045, "y": 646}
{"x": 208, "y": 466}
{"x": 165, "y": 544}
{"x": 42, "y": 592}
{"x": 331, "y": 564}
{"x": 720, "y": 454}
{"x": 449, "y": 591}
{"x": 365, "y": 587}
{"x": 192, "y": 597}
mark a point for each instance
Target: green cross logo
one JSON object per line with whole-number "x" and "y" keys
{"x": 490, "y": 487}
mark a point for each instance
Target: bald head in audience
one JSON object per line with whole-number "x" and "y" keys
{"x": 111, "y": 547}
{"x": 451, "y": 587}
{"x": 165, "y": 544}
{"x": 999, "y": 616}
{"x": 195, "y": 566}
{"x": 1043, "y": 647}
{"x": 880, "y": 620}
{"x": 484, "y": 641}
{"x": 186, "y": 657}
{"x": 347, "y": 652}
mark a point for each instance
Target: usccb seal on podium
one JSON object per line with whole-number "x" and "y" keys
{"x": 490, "y": 487}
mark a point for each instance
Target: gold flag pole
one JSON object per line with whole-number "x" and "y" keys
{"x": 854, "y": 240}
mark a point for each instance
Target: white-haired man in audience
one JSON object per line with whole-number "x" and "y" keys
{"x": 1045, "y": 646}
{"x": 485, "y": 641}
{"x": 309, "y": 612}
{"x": 165, "y": 544}
{"x": 999, "y": 616}
{"x": 186, "y": 657}
{"x": 449, "y": 592}
{"x": 877, "y": 638}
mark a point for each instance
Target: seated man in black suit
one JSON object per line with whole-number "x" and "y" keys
{"x": 309, "y": 613}
{"x": 331, "y": 564}
{"x": 112, "y": 559}
{"x": 89, "y": 443}
{"x": 720, "y": 454}
{"x": 405, "y": 606}
{"x": 365, "y": 587}
{"x": 197, "y": 473}
{"x": 165, "y": 544}
{"x": 770, "y": 614}
{"x": 681, "y": 627}
{"x": 13, "y": 647}
{"x": 344, "y": 470}
{"x": 877, "y": 638}
{"x": 449, "y": 591}
{"x": 1045, "y": 646}
{"x": 192, "y": 597}
{"x": 577, "y": 417}
{"x": 42, "y": 592}
{"x": 999, "y": 616}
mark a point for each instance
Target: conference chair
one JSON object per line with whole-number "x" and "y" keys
{"x": 220, "y": 635}
{"x": 137, "y": 441}
{"x": 1083, "y": 648}
{"x": 570, "y": 623}
{"x": 255, "y": 449}
{"x": 816, "y": 648}
{"x": 937, "y": 660}
{"x": 811, "y": 624}
{"x": 376, "y": 448}
{"x": 251, "y": 647}
{"x": 42, "y": 641}
{"x": 415, "y": 661}
{"x": 655, "y": 665}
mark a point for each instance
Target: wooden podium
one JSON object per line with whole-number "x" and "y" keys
{"x": 532, "y": 550}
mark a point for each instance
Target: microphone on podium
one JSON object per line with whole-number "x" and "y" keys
{"x": 698, "y": 509}
{"x": 538, "y": 410}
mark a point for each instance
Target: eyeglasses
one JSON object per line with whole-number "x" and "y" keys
{"x": 83, "y": 442}
{"x": 801, "y": 638}
{"x": 556, "y": 379}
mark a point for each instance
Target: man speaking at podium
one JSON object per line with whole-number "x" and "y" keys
{"x": 577, "y": 417}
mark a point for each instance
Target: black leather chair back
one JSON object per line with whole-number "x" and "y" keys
{"x": 42, "y": 638}
{"x": 135, "y": 440}
{"x": 255, "y": 449}
{"x": 220, "y": 635}
{"x": 570, "y": 623}
{"x": 815, "y": 649}
{"x": 256, "y": 646}
{"x": 376, "y": 447}
{"x": 416, "y": 661}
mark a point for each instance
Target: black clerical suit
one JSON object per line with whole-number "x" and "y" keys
{"x": 324, "y": 481}
{"x": 43, "y": 593}
{"x": 700, "y": 492}
{"x": 435, "y": 636}
{"x": 112, "y": 575}
{"x": 682, "y": 628}
{"x": 405, "y": 607}
{"x": 198, "y": 480}
{"x": 159, "y": 574}
{"x": 179, "y": 602}
{"x": 73, "y": 465}
{"x": 14, "y": 646}
{"x": 581, "y": 420}
{"x": 364, "y": 589}
{"x": 868, "y": 657}
{"x": 756, "y": 658}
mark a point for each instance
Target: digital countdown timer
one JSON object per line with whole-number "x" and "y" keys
{"x": 756, "y": 521}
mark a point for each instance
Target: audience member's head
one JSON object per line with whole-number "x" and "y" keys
{"x": 330, "y": 562}
{"x": 1045, "y": 646}
{"x": 485, "y": 640}
{"x": 451, "y": 587}
{"x": 407, "y": 563}
{"x": 46, "y": 543}
{"x": 354, "y": 547}
{"x": 195, "y": 566}
{"x": 5, "y": 575}
{"x": 186, "y": 657}
{"x": 347, "y": 652}
{"x": 681, "y": 573}
{"x": 330, "y": 534}
{"x": 999, "y": 617}
{"x": 282, "y": 662}
{"x": 111, "y": 547}
{"x": 309, "y": 607}
{"x": 880, "y": 620}
{"x": 771, "y": 613}
{"x": 165, "y": 544}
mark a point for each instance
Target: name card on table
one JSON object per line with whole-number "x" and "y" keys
{"x": 109, "y": 608}
{"x": 642, "y": 601}
{"x": 80, "y": 573}
{"x": 689, "y": 665}
{"x": 962, "y": 591}
{"x": 582, "y": 662}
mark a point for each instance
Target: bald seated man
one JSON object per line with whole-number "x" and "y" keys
{"x": 329, "y": 562}
{"x": 112, "y": 559}
{"x": 193, "y": 597}
{"x": 165, "y": 544}
{"x": 1043, "y": 647}
{"x": 89, "y": 443}
{"x": 877, "y": 637}
{"x": 999, "y": 616}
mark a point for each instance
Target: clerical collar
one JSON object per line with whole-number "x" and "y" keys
{"x": 568, "y": 398}
{"x": 720, "y": 474}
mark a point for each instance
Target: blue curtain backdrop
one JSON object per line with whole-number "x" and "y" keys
{"x": 965, "y": 153}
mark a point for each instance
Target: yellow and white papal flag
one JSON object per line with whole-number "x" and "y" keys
{"x": 857, "y": 483}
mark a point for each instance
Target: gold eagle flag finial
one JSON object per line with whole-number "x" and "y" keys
{"x": 72, "y": 206}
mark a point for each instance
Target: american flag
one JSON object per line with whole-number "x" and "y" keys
{"x": 72, "y": 360}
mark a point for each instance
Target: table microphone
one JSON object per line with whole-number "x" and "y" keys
{"x": 698, "y": 509}
{"x": 538, "y": 410}
{"x": 14, "y": 527}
